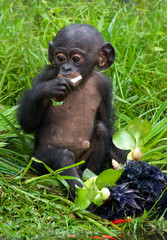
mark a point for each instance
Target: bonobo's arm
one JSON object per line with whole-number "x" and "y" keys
{"x": 105, "y": 110}
{"x": 106, "y": 114}
{"x": 36, "y": 100}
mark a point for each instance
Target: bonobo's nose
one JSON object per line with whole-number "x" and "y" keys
{"x": 66, "y": 68}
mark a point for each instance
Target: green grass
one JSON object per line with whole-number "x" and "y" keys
{"x": 137, "y": 30}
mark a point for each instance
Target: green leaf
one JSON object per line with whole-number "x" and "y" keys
{"x": 88, "y": 174}
{"x": 2, "y": 144}
{"x": 158, "y": 49}
{"x": 39, "y": 161}
{"x": 155, "y": 131}
{"x": 139, "y": 128}
{"x": 101, "y": 24}
{"x": 159, "y": 113}
{"x": 81, "y": 199}
{"x": 108, "y": 178}
{"x": 55, "y": 103}
{"x": 92, "y": 191}
{"x": 89, "y": 181}
{"x": 102, "y": 195}
{"x": 124, "y": 140}
{"x": 98, "y": 200}
{"x": 14, "y": 129}
{"x": 70, "y": 166}
{"x": 101, "y": 226}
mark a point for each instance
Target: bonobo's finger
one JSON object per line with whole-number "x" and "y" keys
{"x": 60, "y": 96}
{"x": 68, "y": 81}
{"x": 68, "y": 84}
{"x": 64, "y": 91}
{"x": 71, "y": 84}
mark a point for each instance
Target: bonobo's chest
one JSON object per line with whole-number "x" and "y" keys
{"x": 79, "y": 108}
{"x": 71, "y": 124}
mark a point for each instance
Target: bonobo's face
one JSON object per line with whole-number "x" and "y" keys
{"x": 76, "y": 50}
{"x": 70, "y": 61}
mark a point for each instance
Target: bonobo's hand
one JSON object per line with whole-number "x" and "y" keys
{"x": 58, "y": 88}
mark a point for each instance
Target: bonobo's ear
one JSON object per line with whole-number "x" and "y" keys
{"x": 50, "y": 52}
{"x": 106, "y": 56}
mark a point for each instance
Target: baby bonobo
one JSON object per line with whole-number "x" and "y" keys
{"x": 80, "y": 128}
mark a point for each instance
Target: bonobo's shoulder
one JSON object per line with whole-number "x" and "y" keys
{"x": 101, "y": 79}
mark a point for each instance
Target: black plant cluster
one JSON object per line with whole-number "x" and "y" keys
{"x": 139, "y": 188}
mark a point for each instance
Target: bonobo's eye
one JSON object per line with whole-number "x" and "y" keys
{"x": 77, "y": 58}
{"x": 60, "y": 58}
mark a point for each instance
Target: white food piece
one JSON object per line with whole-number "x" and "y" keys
{"x": 75, "y": 80}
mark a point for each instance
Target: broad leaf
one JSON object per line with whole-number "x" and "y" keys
{"x": 86, "y": 194}
{"x": 139, "y": 128}
{"x": 92, "y": 191}
{"x": 124, "y": 140}
{"x": 81, "y": 199}
{"x": 98, "y": 200}
{"x": 88, "y": 174}
{"x": 108, "y": 178}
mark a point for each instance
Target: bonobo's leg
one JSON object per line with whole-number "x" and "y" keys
{"x": 98, "y": 152}
{"x": 57, "y": 158}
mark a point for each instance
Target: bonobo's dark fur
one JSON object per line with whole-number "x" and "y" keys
{"x": 81, "y": 128}
{"x": 138, "y": 189}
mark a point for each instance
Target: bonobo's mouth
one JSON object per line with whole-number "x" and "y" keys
{"x": 70, "y": 75}
{"x": 74, "y": 77}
